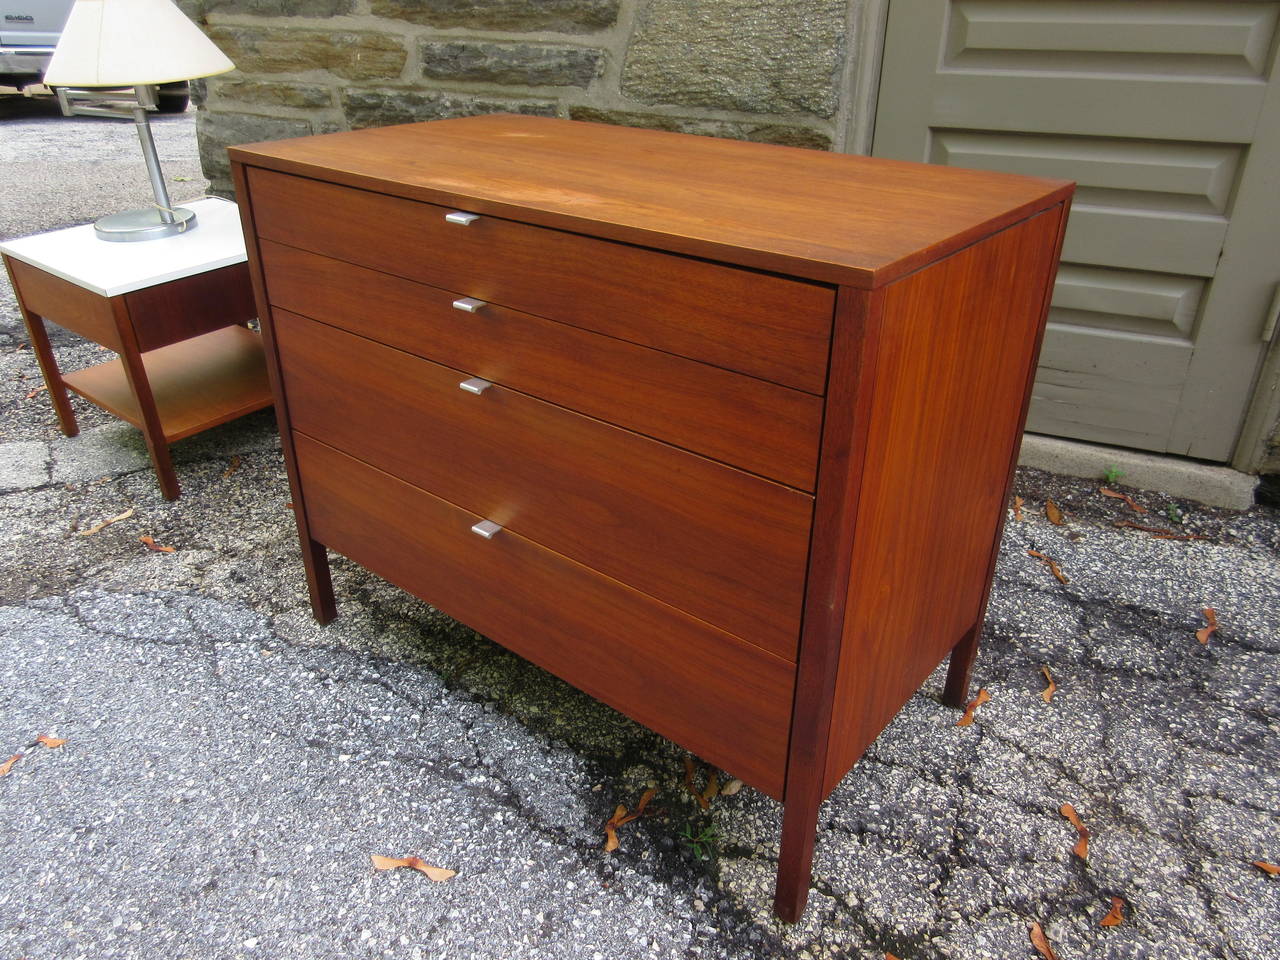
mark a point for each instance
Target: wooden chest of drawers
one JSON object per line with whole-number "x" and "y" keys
{"x": 720, "y": 433}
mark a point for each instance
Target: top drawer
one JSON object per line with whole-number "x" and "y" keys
{"x": 756, "y": 323}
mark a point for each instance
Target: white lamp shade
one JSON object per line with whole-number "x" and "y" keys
{"x": 129, "y": 43}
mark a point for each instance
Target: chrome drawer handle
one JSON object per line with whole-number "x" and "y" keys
{"x": 475, "y": 385}
{"x": 462, "y": 219}
{"x": 468, "y": 304}
{"x": 486, "y": 528}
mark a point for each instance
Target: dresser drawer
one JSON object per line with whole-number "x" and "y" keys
{"x": 726, "y": 700}
{"x": 723, "y": 545}
{"x": 749, "y": 423}
{"x": 756, "y": 323}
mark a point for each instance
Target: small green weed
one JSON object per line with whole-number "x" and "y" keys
{"x": 1174, "y": 513}
{"x": 702, "y": 840}
{"x": 1112, "y": 474}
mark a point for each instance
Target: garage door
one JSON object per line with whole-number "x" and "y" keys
{"x": 1168, "y": 116}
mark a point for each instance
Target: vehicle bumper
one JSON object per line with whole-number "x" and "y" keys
{"x": 29, "y": 62}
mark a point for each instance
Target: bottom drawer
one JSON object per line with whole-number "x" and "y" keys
{"x": 726, "y": 700}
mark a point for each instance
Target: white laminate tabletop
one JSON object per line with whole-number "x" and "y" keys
{"x": 112, "y": 268}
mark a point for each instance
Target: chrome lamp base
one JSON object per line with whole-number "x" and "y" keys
{"x": 152, "y": 223}
{"x": 146, "y": 224}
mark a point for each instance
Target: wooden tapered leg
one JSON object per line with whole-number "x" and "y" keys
{"x": 319, "y": 582}
{"x": 136, "y": 374}
{"x": 795, "y": 859}
{"x": 49, "y": 370}
{"x": 960, "y": 668}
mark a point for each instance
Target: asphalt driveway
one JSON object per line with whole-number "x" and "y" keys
{"x": 230, "y": 768}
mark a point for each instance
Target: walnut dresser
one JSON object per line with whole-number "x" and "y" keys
{"x": 721, "y": 433}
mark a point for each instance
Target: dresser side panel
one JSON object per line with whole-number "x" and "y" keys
{"x": 957, "y": 343}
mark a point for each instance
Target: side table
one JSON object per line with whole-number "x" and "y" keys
{"x": 174, "y": 310}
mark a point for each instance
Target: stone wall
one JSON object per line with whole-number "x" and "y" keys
{"x": 748, "y": 69}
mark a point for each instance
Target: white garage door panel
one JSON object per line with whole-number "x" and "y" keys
{"x": 1214, "y": 38}
{"x": 1151, "y": 303}
{"x": 1106, "y": 393}
{"x": 1105, "y": 106}
{"x": 1194, "y": 178}
{"x": 1159, "y": 110}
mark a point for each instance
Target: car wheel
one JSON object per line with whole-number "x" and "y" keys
{"x": 173, "y": 97}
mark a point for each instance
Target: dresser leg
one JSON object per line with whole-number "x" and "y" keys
{"x": 795, "y": 860}
{"x": 956, "y": 692}
{"x": 319, "y": 583}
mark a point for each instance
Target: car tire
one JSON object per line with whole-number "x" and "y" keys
{"x": 173, "y": 97}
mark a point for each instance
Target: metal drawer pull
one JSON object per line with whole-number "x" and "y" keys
{"x": 463, "y": 219}
{"x": 475, "y": 385}
{"x": 486, "y": 528}
{"x": 468, "y": 304}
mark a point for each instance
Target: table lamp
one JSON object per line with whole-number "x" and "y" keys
{"x": 138, "y": 44}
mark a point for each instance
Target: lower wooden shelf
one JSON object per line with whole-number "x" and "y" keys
{"x": 197, "y": 383}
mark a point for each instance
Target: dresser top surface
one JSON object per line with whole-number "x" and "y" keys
{"x": 831, "y": 217}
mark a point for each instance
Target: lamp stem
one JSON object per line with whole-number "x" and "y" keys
{"x": 143, "y": 124}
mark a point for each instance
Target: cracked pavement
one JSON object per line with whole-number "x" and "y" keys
{"x": 230, "y": 766}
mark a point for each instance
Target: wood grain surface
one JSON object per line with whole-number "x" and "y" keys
{"x": 62, "y": 302}
{"x": 950, "y": 381}
{"x": 716, "y": 542}
{"x": 749, "y": 423}
{"x": 168, "y": 312}
{"x": 744, "y": 320}
{"x": 726, "y": 700}
{"x": 832, "y": 217}
{"x": 197, "y": 383}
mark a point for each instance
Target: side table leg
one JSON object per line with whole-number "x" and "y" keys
{"x": 49, "y": 370}
{"x": 956, "y": 692}
{"x": 152, "y": 429}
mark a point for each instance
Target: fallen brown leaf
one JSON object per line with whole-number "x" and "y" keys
{"x": 232, "y": 467}
{"x": 34, "y": 393}
{"x": 1048, "y": 692}
{"x": 731, "y": 788}
{"x": 611, "y": 829}
{"x": 1081, "y": 849}
{"x": 1053, "y": 513}
{"x": 1041, "y": 942}
{"x": 1160, "y": 533}
{"x": 1203, "y": 633}
{"x": 1050, "y": 563}
{"x": 152, "y": 545}
{"x": 1117, "y": 495}
{"x": 889, "y": 956}
{"x": 106, "y": 523}
{"x": 1115, "y": 916}
{"x": 973, "y": 706}
{"x": 621, "y": 818}
{"x": 53, "y": 743}
{"x": 1017, "y": 508}
{"x": 438, "y": 874}
{"x": 1270, "y": 868}
{"x": 8, "y": 764}
{"x": 712, "y": 791}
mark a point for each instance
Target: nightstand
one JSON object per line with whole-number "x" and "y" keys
{"x": 174, "y": 311}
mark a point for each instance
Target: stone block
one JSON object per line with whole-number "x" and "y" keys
{"x": 271, "y": 8}
{"x": 784, "y": 134}
{"x": 561, "y": 16}
{"x": 275, "y": 93}
{"x": 350, "y": 54}
{"x": 379, "y": 108}
{"x": 780, "y": 58}
{"x": 524, "y": 64}
{"x": 216, "y": 131}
